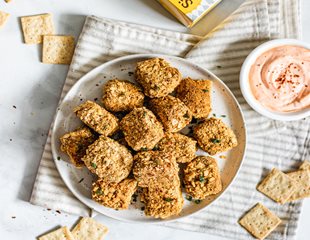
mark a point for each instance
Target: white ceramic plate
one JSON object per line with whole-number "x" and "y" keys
{"x": 89, "y": 87}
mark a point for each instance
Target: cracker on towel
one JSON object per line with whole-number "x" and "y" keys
{"x": 259, "y": 221}
{"x": 88, "y": 228}
{"x": 34, "y": 27}
{"x": 278, "y": 186}
{"x": 3, "y": 18}
{"x": 302, "y": 177}
{"x": 58, "y": 49}
{"x": 305, "y": 165}
{"x": 59, "y": 234}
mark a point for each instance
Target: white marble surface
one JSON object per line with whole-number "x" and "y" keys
{"x": 34, "y": 89}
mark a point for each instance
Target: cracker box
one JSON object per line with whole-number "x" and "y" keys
{"x": 189, "y": 12}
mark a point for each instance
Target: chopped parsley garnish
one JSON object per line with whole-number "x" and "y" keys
{"x": 58, "y": 158}
{"x": 194, "y": 120}
{"x": 214, "y": 115}
{"x": 144, "y": 149}
{"x": 214, "y": 140}
{"x": 201, "y": 178}
{"x": 156, "y": 148}
{"x": 144, "y": 114}
{"x": 197, "y": 201}
{"x": 99, "y": 191}
{"x": 223, "y": 115}
{"x": 94, "y": 165}
{"x": 168, "y": 199}
{"x": 205, "y": 90}
{"x": 189, "y": 198}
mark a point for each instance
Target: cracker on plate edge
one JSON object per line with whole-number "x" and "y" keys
{"x": 57, "y": 49}
{"x": 259, "y": 221}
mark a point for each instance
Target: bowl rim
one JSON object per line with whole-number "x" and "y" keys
{"x": 244, "y": 83}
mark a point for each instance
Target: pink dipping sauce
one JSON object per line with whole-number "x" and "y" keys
{"x": 280, "y": 79}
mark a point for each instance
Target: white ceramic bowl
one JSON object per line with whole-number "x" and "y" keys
{"x": 245, "y": 86}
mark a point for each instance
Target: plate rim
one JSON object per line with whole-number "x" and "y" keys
{"x": 148, "y": 55}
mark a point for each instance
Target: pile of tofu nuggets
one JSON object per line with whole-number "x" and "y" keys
{"x": 141, "y": 150}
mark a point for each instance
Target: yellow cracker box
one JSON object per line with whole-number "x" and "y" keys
{"x": 189, "y": 12}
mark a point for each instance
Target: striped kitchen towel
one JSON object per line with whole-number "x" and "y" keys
{"x": 270, "y": 144}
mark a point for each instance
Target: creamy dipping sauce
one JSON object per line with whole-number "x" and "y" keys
{"x": 280, "y": 78}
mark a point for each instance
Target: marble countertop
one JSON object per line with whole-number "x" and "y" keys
{"x": 29, "y": 92}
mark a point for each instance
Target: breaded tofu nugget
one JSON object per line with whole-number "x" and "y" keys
{"x": 202, "y": 177}
{"x": 196, "y": 94}
{"x": 155, "y": 168}
{"x": 179, "y": 145}
{"x": 157, "y": 77}
{"x": 163, "y": 202}
{"x": 75, "y": 143}
{"x": 97, "y": 118}
{"x": 121, "y": 95}
{"x": 114, "y": 195}
{"x": 141, "y": 129}
{"x": 108, "y": 159}
{"x": 172, "y": 112}
{"x": 214, "y": 136}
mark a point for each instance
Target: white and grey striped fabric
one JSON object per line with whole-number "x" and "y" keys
{"x": 271, "y": 144}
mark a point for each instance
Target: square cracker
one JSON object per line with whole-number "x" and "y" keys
{"x": 88, "y": 228}
{"x": 34, "y": 27}
{"x": 59, "y": 234}
{"x": 278, "y": 186}
{"x": 305, "y": 165}
{"x": 58, "y": 49}
{"x": 259, "y": 221}
{"x": 302, "y": 177}
{"x": 3, "y": 18}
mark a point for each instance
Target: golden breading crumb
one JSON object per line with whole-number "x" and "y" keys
{"x": 155, "y": 168}
{"x": 196, "y": 94}
{"x": 172, "y": 112}
{"x": 75, "y": 144}
{"x": 108, "y": 159}
{"x": 141, "y": 129}
{"x": 163, "y": 202}
{"x": 157, "y": 77}
{"x": 97, "y": 118}
{"x": 114, "y": 195}
{"x": 121, "y": 95}
{"x": 202, "y": 177}
{"x": 214, "y": 136}
{"x": 179, "y": 145}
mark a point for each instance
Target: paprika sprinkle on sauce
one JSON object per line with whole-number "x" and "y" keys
{"x": 280, "y": 78}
